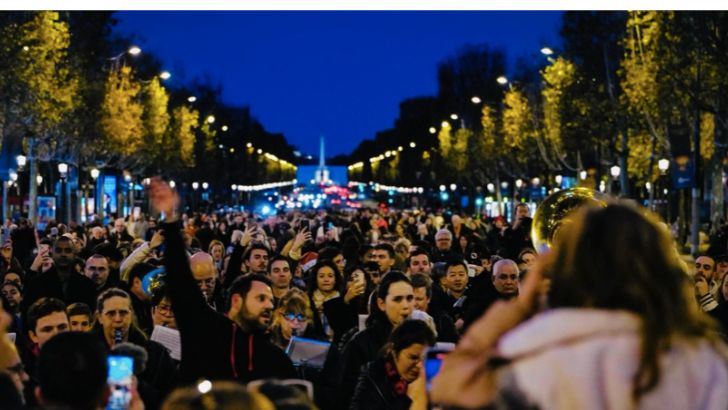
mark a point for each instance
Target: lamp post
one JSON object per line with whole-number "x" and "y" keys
{"x": 614, "y": 171}
{"x": 195, "y": 186}
{"x": 95, "y": 175}
{"x": 663, "y": 165}
{"x": 63, "y": 172}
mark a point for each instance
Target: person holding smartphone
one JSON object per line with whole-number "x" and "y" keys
{"x": 395, "y": 380}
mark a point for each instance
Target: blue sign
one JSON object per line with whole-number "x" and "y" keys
{"x": 683, "y": 176}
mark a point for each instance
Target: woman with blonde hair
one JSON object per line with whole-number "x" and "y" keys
{"x": 622, "y": 330}
{"x": 293, "y": 317}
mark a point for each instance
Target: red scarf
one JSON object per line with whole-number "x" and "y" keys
{"x": 399, "y": 385}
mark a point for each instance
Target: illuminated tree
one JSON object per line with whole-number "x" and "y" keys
{"x": 156, "y": 117}
{"x": 121, "y": 118}
{"x": 181, "y": 138}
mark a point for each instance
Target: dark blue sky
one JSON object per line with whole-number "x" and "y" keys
{"x": 341, "y": 74}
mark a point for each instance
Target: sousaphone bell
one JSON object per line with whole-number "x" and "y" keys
{"x": 554, "y": 212}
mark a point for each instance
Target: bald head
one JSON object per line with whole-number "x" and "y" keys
{"x": 204, "y": 272}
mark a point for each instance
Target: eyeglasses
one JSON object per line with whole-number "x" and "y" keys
{"x": 297, "y": 316}
{"x": 165, "y": 310}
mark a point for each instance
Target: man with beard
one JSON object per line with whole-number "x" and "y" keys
{"x": 213, "y": 345}
{"x": 60, "y": 280}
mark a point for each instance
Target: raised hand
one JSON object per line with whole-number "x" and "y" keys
{"x": 163, "y": 198}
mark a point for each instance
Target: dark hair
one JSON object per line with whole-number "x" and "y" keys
{"x": 408, "y": 333}
{"x": 277, "y": 258}
{"x": 386, "y": 247}
{"x": 525, "y": 251}
{"x": 63, "y": 239}
{"x": 78, "y": 309}
{"x": 139, "y": 271}
{"x": 241, "y": 286}
{"x": 158, "y": 293}
{"x": 42, "y": 308}
{"x": 420, "y": 280}
{"x": 329, "y": 253}
{"x": 418, "y": 252}
{"x": 381, "y": 292}
{"x": 313, "y": 273}
{"x": 253, "y": 247}
{"x": 286, "y": 396}
{"x": 455, "y": 262}
{"x": 72, "y": 370}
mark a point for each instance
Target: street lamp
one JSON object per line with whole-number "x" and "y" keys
{"x": 454, "y": 116}
{"x": 582, "y": 174}
{"x": 412, "y": 144}
{"x": 519, "y": 183}
{"x": 442, "y": 188}
{"x": 195, "y": 185}
{"x": 63, "y": 171}
{"x": 95, "y": 173}
{"x": 558, "y": 179}
{"x": 662, "y": 165}
{"x": 134, "y": 50}
{"x": 615, "y": 171}
{"x": 21, "y": 160}
{"x": 165, "y": 75}
{"x": 453, "y": 187}
{"x": 502, "y": 80}
{"x": 39, "y": 179}
{"x": 191, "y": 98}
{"x": 172, "y": 184}
{"x": 476, "y": 100}
{"x": 547, "y": 51}
{"x": 205, "y": 185}
{"x": 490, "y": 187}
{"x": 210, "y": 119}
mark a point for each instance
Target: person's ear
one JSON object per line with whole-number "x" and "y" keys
{"x": 236, "y": 301}
{"x": 380, "y": 304}
{"x": 33, "y": 336}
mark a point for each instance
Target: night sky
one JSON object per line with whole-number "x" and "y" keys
{"x": 339, "y": 74}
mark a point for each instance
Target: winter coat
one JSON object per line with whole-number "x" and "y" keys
{"x": 375, "y": 391}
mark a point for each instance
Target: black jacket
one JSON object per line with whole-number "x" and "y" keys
{"x": 363, "y": 348}
{"x": 213, "y": 346}
{"x": 341, "y": 317}
{"x": 48, "y": 284}
{"x": 375, "y": 392}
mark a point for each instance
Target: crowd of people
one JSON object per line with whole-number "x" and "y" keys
{"x": 611, "y": 318}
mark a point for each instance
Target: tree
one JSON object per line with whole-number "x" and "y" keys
{"x": 121, "y": 119}
{"x": 155, "y": 118}
{"x": 181, "y": 137}
{"x": 39, "y": 86}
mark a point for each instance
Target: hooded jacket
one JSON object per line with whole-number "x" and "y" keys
{"x": 584, "y": 359}
{"x": 213, "y": 346}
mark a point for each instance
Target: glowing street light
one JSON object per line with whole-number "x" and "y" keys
{"x": 224, "y": 128}
{"x": 195, "y": 185}
{"x": 582, "y": 174}
{"x": 95, "y": 173}
{"x": 558, "y": 179}
{"x": 433, "y": 130}
{"x": 63, "y": 169}
{"x": 476, "y": 100}
{"x": 662, "y": 164}
{"x": 453, "y": 116}
{"x": 547, "y": 51}
{"x": 442, "y": 188}
{"x": 191, "y": 98}
{"x": 615, "y": 171}
{"x": 453, "y": 187}
{"x": 412, "y": 144}
{"x": 21, "y": 160}
{"x": 205, "y": 185}
{"x": 210, "y": 119}
{"x": 172, "y": 184}
{"x": 519, "y": 183}
{"x": 165, "y": 75}
{"x": 502, "y": 80}
{"x": 134, "y": 50}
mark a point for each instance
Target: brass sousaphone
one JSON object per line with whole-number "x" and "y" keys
{"x": 554, "y": 211}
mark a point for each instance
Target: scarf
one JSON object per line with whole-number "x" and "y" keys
{"x": 399, "y": 385}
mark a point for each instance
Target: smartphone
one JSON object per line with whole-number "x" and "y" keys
{"x": 44, "y": 249}
{"x": 305, "y": 224}
{"x": 433, "y": 363}
{"x": 121, "y": 372}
